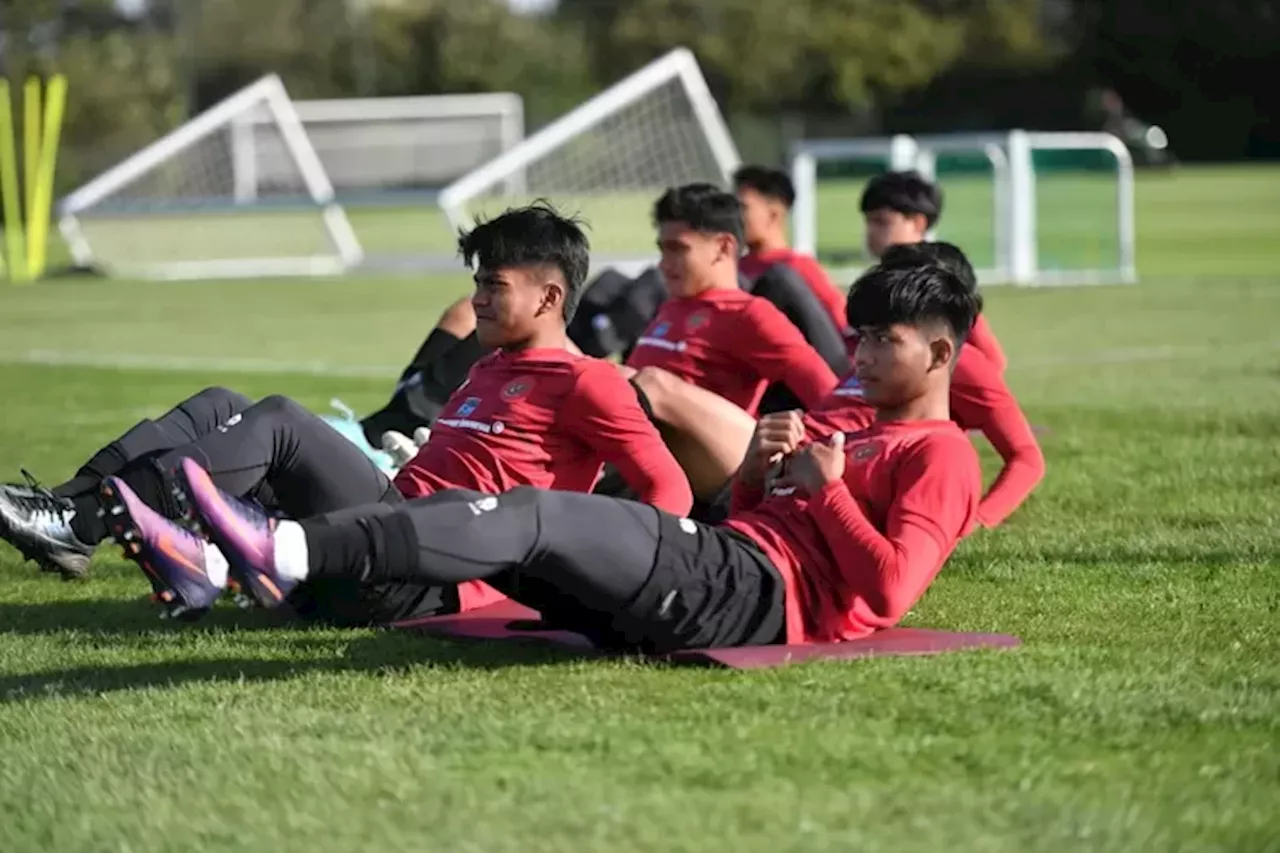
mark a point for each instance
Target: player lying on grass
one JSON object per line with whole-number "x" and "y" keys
{"x": 842, "y": 541}
{"x": 530, "y": 414}
{"x": 767, "y": 196}
{"x": 715, "y": 433}
{"x": 901, "y": 208}
{"x": 711, "y": 333}
{"x": 439, "y": 367}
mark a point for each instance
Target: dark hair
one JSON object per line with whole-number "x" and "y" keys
{"x": 946, "y": 255}
{"x": 705, "y": 208}
{"x": 535, "y": 235}
{"x": 906, "y": 192}
{"x": 771, "y": 183}
{"x": 914, "y": 296}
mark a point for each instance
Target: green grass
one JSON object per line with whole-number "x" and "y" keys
{"x": 1142, "y": 713}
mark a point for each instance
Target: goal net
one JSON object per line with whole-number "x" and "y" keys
{"x": 610, "y": 158}
{"x": 180, "y": 208}
{"x": 1028, "y": 208}
{"x": 373, "y": 147}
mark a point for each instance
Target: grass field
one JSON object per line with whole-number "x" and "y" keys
{"x": 1142, "y": 713}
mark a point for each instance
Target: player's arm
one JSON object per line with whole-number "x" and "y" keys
{"x": 983, "y": 338}
{"x": 777, "y": 351}
{"x": 935, "y": 491}
{"x": 605, "y": 414}
{"x": 981, "y": 400}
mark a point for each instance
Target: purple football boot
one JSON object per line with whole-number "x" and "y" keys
{"x": 244, "y": 533}
{"x": 172, "y": 556}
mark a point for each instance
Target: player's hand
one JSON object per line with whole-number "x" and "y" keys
{"x": 399, "y": 447}
{"x": 816, "y": 465}
{"x": 776, "y": 436}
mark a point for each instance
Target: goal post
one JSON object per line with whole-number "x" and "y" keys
{"x": 609, "y": 159}
{"x": 1031, "y": 208}
{"x": 177, "y": 210}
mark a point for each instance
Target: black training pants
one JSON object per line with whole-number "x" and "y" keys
{"x": 623, "y": 573}
{"x": 275, "y": 452}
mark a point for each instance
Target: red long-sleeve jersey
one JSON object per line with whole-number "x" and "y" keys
{"x": 732, "y": 344}
{"x": 544, "y": 418}
{"x": 856, "y": 556}
{"x": 983, "y": 338}
{"x": 980, "y": 400}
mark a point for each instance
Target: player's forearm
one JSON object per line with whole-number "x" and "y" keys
{"x": 1015, "y": 483}
{"x": 1011, "y": 435}
{"x": 888, "y": 573}
{"x": 659, "y": 483}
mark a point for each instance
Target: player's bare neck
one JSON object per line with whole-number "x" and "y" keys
{"x": 930, "y": 406}
{"x": 768, "y": 245}
{"x": 549, "y": 339}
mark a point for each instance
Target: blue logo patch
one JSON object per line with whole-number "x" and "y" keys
{"x": 468, "y": 406}
{"x": 660, "y": 330}
{"x": 850, "y": 387}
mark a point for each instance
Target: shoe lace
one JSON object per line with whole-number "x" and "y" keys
{"x": 40, "y": 500}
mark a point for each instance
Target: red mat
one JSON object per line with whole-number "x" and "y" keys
{"x": 496, "y": 623}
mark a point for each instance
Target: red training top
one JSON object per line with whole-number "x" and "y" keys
{"x": 544, "y": 418}
{"x": 732, "y": 344}
{"x": 983, "y": 338}
{"x": 980, "y": 400}
{"x": 753, "y": 264}
{"x": 857, "y": 556}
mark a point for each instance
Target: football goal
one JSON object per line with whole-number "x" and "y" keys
{"x": 181, "y": 208}
{"x": 610, "y": 158}
{"x": 1028, "y": 208}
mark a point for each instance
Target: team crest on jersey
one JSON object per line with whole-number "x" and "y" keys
{"x": 660, "y": 330}
{"x": 697, "y": 321}
{"x": 468, "y": 406}
{"x": 517, "y": 389}
{"x": 867, "y": 451}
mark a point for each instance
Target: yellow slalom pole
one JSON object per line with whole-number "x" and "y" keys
{"x": 32, "y": 116}
{"x": 10, "y": 192}
{"x": 42, "y": 198}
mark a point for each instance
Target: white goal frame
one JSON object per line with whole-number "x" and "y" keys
{"x": 1013, "y": 171}
{"x": 506, "y": 108}
{"x": 270, "y": 92}
{"x": 679, "y": 64}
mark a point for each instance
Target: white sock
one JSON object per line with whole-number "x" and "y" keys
{"x": 215, "y": 565}
{"x": 291, "y": 554}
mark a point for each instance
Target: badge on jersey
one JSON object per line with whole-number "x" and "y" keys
{"x": 660, "y": 330}
{"x": 866, "y": 451}
{"x": 697, "y": 321}
{"x": 517, "y": 389}
{"x": 468, "y": 407}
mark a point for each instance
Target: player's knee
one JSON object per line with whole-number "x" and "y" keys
{"x": 459, "y": 319}
{"x": 220, "y": 398}
{"x": 280, "y": 405}
{"x": 660, "y": 388}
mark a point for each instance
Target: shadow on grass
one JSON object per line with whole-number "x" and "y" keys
{"x": 314, "y": 649}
